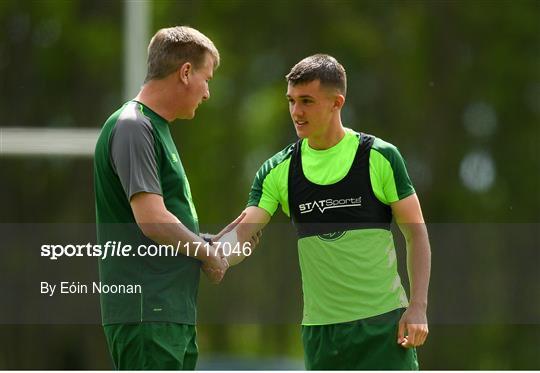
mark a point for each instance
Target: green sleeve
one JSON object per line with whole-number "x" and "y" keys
{"x": 269, "y": 188}
{"x": 388, "y": 173}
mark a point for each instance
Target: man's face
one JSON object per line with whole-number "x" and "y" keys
{"x": 311, "y": 107}
{"x": 197, "y": 89}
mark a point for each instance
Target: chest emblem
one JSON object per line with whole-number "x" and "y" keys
{"x": 332, "y": 236}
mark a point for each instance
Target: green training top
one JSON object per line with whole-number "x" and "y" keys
{"x": 353, "y": 276}
{"x": 135, "y": 153}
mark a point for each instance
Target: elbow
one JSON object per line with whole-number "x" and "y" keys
{"x": 150, "y": 230}
{"x": 151, "y": 223}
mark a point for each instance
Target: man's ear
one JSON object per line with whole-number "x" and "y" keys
{"x": 184, "y": 71}
{"x": 339, "y": 101}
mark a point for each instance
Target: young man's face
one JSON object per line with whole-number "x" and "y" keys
{"x": 197, "y": 89}
{"x": 312, "y": 108}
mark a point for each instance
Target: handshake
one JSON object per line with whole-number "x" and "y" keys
{"x": 226, "y": 250}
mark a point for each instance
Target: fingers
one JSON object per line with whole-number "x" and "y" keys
{"x": 225, "y": 264}
{"x": 218, "y": 251}
{"x": 416, "y": 335}
{"x": 401, "y": 331}
{"x": 411, "y": 334}
{"x": 405, "y": 343}
{"x": 216, "y": 272}
{"x": 214, "y": 276}
{"x": 255, "y": 239}
{"x": 422, "y": 334}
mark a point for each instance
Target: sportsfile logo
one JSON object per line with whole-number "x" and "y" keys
{"x": 325, "y": 204}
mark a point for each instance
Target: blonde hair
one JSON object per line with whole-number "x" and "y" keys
{"x": 172, "y": 47}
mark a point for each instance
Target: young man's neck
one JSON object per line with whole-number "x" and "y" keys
{"x": 155, "y": 95}
{"x": 333, "y": 136}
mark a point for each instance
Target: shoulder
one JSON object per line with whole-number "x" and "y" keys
{"x": 381, "y": 146}
{"x": 270, "y": 179}
{"x": 282, "y": 155}
{"x": 280, "y": 158}
{"x": 274, "y": 168}
{"x": 132, "y": 121}
{"x": 387, "y": 150}
{"x": 386, "y": 162}
{"x": 354, "y": 136}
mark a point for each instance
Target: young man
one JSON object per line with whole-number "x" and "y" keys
{"x": 142, "y": 198}
{"x": 341, "y": 190}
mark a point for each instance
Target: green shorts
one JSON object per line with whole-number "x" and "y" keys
{"x": 152, "y": 345}
{"x": 367, "y": 344}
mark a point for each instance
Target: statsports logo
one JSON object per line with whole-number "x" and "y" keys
{"x": 325, "y": 204}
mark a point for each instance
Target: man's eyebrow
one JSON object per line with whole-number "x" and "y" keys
{"x": 302, "y": 96}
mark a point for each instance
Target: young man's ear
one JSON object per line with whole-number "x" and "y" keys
{"x": 184, "y": 72}
{"x": 339, "y": 101}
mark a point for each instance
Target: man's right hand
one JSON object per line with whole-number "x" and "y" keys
{"x": 215, "y": 265}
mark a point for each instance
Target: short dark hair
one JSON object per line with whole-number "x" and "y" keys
{"x": 174, "y": 46}
{"x": 320, "y": 67}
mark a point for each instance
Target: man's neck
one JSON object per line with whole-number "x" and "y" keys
{"x": 154, "y": 95}
{"x": 333, "y": 136}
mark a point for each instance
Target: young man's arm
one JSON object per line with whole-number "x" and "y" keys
{"x": 413, "y": 327}
{"x": 267, "y": 192}
{"x": 158, "y": 224}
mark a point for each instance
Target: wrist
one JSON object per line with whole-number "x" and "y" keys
{"x": 204, "y": 250}
{"x": 207, "y": 237}
{"x": 416, "y": 304}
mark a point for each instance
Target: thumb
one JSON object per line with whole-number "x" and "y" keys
{"x": 401, "y": 331}
{"x": 230, "y": 227}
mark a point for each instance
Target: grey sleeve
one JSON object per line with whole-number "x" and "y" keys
{"x": 133, "y": 156}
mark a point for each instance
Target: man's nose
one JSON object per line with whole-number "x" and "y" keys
{"x": 295, "y": 110}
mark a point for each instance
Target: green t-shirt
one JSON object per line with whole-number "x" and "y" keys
{"x": 135, "y": 153}
{"x": 354, "y": 276}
